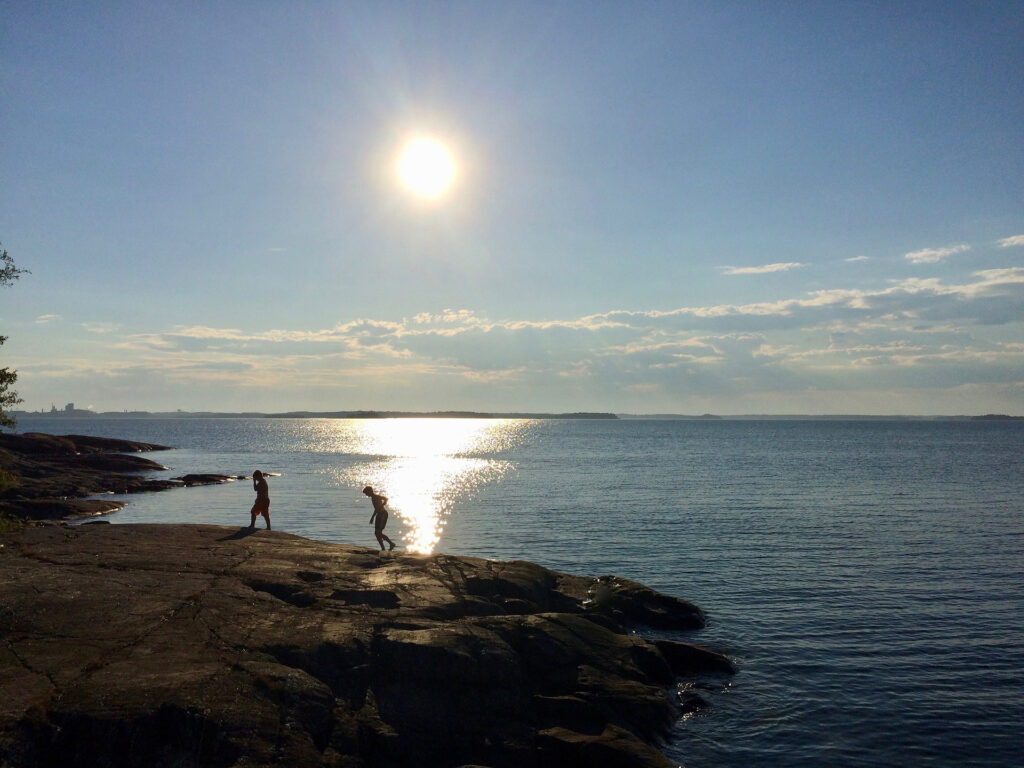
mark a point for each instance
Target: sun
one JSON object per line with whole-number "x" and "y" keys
{"x": 426, "y": 167}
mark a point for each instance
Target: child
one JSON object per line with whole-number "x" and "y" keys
{"x": 380, "y": 515}
{"x": 262, "y": 505}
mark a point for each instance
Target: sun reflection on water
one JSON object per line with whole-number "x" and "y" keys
{"x": 425, "y": 466}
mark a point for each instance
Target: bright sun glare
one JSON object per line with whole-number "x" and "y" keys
{"x": 425, "y": 467}
{"x": 426, "y": 167}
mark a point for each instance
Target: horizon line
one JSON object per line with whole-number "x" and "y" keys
{"x": 462, "y": 413}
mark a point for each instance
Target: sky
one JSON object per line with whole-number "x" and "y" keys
{"x": 660, "y": 207}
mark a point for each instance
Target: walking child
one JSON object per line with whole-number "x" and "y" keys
{"x": 379, "y": 517}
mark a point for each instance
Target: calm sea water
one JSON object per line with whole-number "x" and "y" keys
{"x": 868, "y": 577}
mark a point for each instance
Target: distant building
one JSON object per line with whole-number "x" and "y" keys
{"x": 67, "y": 410}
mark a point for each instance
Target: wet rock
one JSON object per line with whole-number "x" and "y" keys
{"x": 686, "y": 659}
{"x": 163, "y": 645}
{"x": 205, "y": 479}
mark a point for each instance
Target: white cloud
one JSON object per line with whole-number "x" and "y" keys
{"x": 777, "y": 267}
{"x": 101, "y": 327}
{"x": 857, "y": 258}
{"x": 43, "y": 319}
{"x": 920, "y": 304}
{"x": 1009, "y": 242}
{"x": 932, "y": 255}
{"x": 447, "y": 316}
{"x": 903, "y": 334}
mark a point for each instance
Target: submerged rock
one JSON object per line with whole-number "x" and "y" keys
{"x": 161, "y": 645}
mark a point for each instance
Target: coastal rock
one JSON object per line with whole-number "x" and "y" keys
{"x": 52, "y": 509}
{"x": 54, "y": 473}
{"x": 633, "y": 603}
{"x": 42, "y": 443}
{"x": 161, "y": 645}
{"x": 205, "y": 479}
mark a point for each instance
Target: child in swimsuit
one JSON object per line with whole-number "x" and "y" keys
{"x": 379, "y": 517}
{"x": 262, "y": 505}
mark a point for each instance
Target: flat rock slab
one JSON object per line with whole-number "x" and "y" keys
{"x": 168, "y": 645}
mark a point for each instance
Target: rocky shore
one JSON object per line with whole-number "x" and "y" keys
{"x": 53, "y": 474}
{"x": 171, "y": 645}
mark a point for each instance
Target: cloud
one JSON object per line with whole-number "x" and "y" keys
{"x": 857, "y": 258}
{"x": 447, "y": 316}
{"x": 932, "y": 255}
{"x": 461, "y": 337}
{"x": 42, "y": 319}
{"x": 778, "y": 267}
{"x": 921, "y": 332}
{"x": 104, "y": 327}
{"x": 1009, "y": 242}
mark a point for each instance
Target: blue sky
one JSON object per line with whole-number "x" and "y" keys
{"x": 727, "y": 207}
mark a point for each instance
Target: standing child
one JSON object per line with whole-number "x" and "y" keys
{"x": 262, "y": 505}
{"x": 379, "y": 517}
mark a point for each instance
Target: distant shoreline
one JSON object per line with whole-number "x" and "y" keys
{"x": 583, "y": 415}
{"x": 308, "y": 415}
{"x": 817, "y": 417}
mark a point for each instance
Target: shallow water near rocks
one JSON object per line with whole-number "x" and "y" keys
{"x": 866, "y": 576}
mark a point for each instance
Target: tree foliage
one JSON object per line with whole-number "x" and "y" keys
{"x": 8, "y": 397}
{"x": 8, "y": 272}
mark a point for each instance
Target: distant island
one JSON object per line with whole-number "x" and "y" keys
{"x": 671, "y": 417}
{"x": 71, "y": 411}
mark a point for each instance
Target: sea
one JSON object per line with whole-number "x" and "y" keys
{"x": 867, "y": 577}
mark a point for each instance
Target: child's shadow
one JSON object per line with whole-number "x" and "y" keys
{"x": 241, "y": 533}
